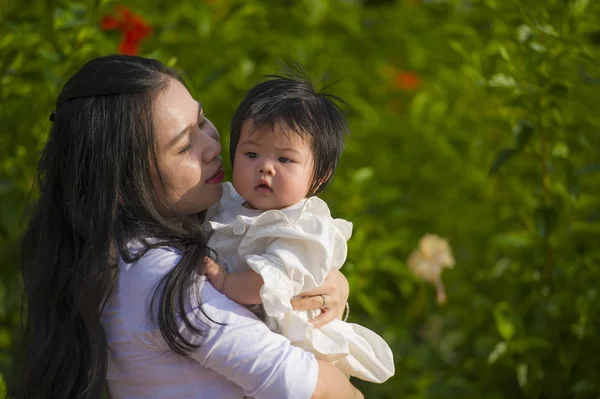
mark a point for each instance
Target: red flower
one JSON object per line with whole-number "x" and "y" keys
{"x": 128, "y": 48}
{"x": 109, "y": 23}
{"x": 407, "y": 81}
{"x": 134, "y": 29}
{"x": 137, "y": 33}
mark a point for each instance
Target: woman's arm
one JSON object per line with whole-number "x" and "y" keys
{"x": 264, "y": 364}
{"x": 333, "y": 384}
{"x": 335, "y": 288}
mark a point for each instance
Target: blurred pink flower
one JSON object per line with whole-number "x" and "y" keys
{"x": 429, "y": 260}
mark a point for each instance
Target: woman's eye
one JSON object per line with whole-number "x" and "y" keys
{"x": 186, "y": 149}
{"x": 284, "y": 160}
{"x": 252, "y": 155}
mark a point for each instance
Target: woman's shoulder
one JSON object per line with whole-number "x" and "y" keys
{"x": 149, "y": 261}
{"x": 138, "y": 281}
{"x": 153, "y": 265}
{"x": 236, "y": 345}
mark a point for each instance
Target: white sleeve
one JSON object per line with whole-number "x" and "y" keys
{"x": 246, "y": 352}
{"x": 298, "y": 257}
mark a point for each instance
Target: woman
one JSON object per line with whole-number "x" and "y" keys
{"x": 114, "y": 253}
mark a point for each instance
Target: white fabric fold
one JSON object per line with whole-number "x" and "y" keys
{"x": 293, "y": 250}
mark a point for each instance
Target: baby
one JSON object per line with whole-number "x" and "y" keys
{"x": 275, "y": 238}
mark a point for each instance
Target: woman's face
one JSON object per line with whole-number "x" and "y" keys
{"x": 189, "y": 152}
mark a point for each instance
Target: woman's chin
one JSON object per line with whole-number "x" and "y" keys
{"x": 192, "y": 203}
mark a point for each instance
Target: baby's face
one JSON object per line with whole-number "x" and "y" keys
{"x": 273, "y": 167}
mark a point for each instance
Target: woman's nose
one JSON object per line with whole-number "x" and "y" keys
{"x": 212, "y": 148}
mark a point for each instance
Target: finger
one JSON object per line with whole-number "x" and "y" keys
{"x": 209, "y": 262}
{"x": 325, "y": 317}
{"x": 307, "y": 303}
{"x": 210, "y": 267}
{"x": 325, "y": 289}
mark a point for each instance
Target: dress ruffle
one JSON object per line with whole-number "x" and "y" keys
{"x": 293, "y": 250}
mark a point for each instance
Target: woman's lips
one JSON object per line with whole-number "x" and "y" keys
{"x": 217, "y": 178}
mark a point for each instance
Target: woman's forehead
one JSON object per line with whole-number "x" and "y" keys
{"x": 175, "y": 110}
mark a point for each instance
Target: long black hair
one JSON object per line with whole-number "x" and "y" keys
{"x": 291, "y": 98}
{"x": 94, "y": 196}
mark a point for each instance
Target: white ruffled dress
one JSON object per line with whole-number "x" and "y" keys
{"x": 293, "y": 250}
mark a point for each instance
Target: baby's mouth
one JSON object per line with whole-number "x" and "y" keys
{"x": 264, "y": 187}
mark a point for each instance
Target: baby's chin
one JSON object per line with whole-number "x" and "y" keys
{"x": 264, "y": 204}
{"x": 263, "y": 200}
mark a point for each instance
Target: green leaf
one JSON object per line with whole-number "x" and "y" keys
{"x": 503, "y": 323}
{"x": 522, "y": 372}
{"x": 595, "y": 36}
{"x": 418, "y": 106}
{"x": 538, "y": 47}
{"x": 5, "y": 338}
{"x": 502, "y": 80}
{"x": 504, "y": 53}
{"x": 363, "y": 174}
{"x": 549, "y": 30}
{"x": 499, "y": 350}
{"x": 578, "y": 7}
{"x": 586, "y": 227}
{"x": 558, "y": 90}
{"x": 584, "y": 387}
{"x": 460, "y": 49}
{"x": 561, "y": 150}
{"x": 524, "y": 33}
{"x": 502, "y": 158}
{"x": 523, "y": 130}
{"x": 592, "y": 168}
{"x": 514, "y": 239}
{"x": 3, "y": 390}
{"x": 525, "y": 344}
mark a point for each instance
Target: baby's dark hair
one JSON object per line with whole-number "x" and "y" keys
{"x": 292, "y": 100}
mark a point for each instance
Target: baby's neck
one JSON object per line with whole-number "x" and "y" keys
{"x": 248, "y": 205}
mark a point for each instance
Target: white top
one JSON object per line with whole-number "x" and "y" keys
{"x": 240, "y": 358}
{"x": 294, "y": 249}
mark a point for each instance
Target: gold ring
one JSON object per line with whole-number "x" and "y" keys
{"x": 324, "y": 302}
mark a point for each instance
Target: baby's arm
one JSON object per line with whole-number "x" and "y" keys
{"x": 242, "y": 287}
{"x": 298, "y": 257}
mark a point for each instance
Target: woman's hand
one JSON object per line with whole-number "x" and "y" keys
{"x": 331, "y": 298}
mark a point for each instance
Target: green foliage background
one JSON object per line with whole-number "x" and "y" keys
{"x": 495, "y": 146}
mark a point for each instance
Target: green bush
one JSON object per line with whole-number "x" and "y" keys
{"x": 473, "y": 120}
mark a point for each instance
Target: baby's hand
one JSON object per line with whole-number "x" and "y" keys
{"x": 215, "y": 273}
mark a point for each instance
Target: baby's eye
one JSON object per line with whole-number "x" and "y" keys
{"x": 251, "y": 155}
{"x": 284, "y": 160}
